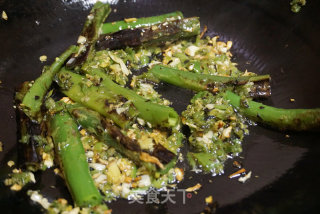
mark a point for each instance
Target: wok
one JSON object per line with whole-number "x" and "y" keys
{"x": 267, "y": 39}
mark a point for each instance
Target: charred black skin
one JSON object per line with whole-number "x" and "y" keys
{"x": 164, "y": 155}
{"x": 90, "y": 31}
{"x": 116, "y": 133}
{"x": 103, "y": 125}
{"x": 29, "y": 154}
{"x": 160, "y": 152}
{"x": 120, "y": 39}
{"x": 167, "y": 31}
{"x": 260, "y": 89}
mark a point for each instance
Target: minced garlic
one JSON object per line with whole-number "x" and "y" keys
{"x": 209, "y": 199}
{"x": 43, "y": 58}
{"x": 37, "y": 197}
{"x": 4, "y": 15}
{"x": 48, "y": 160}
{"x": 10, "y": 163}
{"x": 130, "y": 20}
{"x": 226, "y": 133}
{"x": 179, "y": 173}
{"x": 16, "y": 187}
{"x": 194, "y": 188}
{"x": 81, "y": 40}
{"x": 245, "y": 178}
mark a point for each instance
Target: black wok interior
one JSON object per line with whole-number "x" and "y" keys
{"x": 267, "y": 39}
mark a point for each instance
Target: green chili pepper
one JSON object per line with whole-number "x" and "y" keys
{"x": 95, "y": 124}
{"x": 73, "y": 160}
{"x": 196, "y": 81}
{"x": 140, "y": 22}
{"x": 33, "y": 99}
{"x": 96, "y": 97}
{"x": 283, "y": 119}
{"x": 155, "y": 34}
{"x": 90, "y": 33}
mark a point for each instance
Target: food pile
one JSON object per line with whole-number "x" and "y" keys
{"x": 95, "y": 115}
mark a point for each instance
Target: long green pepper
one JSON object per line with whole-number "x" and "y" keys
{"x": 156, "y": 34}
{"x": 91, "y": 121}
{"x": 90, "y": 33}
{"x": 73, "y": 160}
{"x": 140, "y": 22}
{"x": 195, "y": 81}
{"x": 283, "y": 119}
{"x": 95, "y": 97}
{"x": 33, "y": 99}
